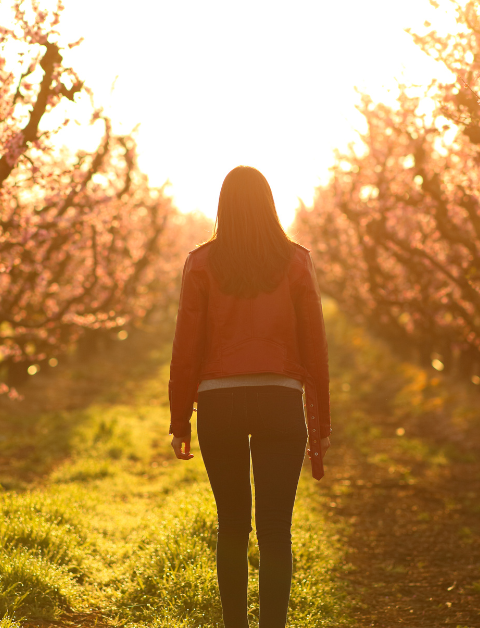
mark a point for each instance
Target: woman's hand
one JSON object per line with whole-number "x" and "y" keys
{"x": 324, "y": 444}
{"x": 177, "y": 442}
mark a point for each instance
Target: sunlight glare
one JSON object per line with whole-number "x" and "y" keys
{"x": 216, "y": 84}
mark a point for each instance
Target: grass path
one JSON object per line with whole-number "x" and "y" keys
{"x": 102, "y": 526}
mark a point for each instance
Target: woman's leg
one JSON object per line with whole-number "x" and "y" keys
{"x": 278, "y": 442}
{"x": 224, "y": 444}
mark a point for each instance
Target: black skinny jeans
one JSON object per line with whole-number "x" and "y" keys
{"x": 273, "y": 416}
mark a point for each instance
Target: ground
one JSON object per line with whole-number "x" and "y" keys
{"x": 102, "y": 526}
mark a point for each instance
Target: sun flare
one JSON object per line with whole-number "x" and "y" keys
{"x": 217, "y": 84}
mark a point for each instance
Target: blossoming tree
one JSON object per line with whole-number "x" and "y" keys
{"x": 396, "y": 233}
{"x": 86, "y": 242}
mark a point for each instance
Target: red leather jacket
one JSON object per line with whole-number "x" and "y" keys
{"x": 283, "y": 332}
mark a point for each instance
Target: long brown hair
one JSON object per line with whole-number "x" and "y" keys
{"x": 250, "y": 250}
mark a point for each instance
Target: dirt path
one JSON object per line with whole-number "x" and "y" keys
{"x": 413, "y": 544}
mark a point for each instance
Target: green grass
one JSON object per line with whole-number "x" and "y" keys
{"x": 121, "y": 530}
{"x": 134, "y": 536}
{"x": 7, "y": 622}
{"x": 99, "y": 520}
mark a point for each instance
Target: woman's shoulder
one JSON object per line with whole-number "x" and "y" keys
{"x": 300, "y": 263}
{"x": 202, "y": 246}
{"x": 302, "y": 254}
{"x": 301, "y": 246}
{"x": 198, "y": 255}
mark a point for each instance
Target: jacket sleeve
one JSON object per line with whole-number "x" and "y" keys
{"x": 187, "y": 350}
{"x": 313, "y": 342}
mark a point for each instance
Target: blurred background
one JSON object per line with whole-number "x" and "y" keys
{"x": 120, "y": 121}
{"x": 118, "y": 124}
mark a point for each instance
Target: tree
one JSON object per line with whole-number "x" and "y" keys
{"x": 396, "y": 232}
{"x": 85, "y": 239}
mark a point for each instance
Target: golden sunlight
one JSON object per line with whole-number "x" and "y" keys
{"x": 216, "y": 84}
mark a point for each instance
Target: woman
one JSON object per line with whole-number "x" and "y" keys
{"x": 249, "y": 335}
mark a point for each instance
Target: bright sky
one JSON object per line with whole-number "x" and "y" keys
{"x": 216, "y": 83}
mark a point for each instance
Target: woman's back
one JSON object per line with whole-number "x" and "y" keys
{"x": 244, "y": 333}
{"x": 250, "y": 311}
{"x": 220, "y": 335}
